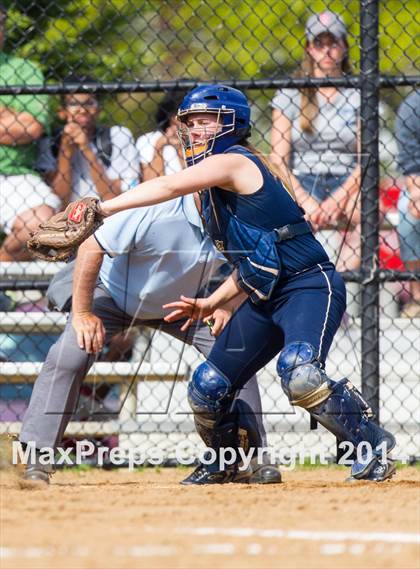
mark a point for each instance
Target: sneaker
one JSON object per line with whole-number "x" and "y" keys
{"x": 363, "y": 465}
{"x": 265, "y": 474}
{"x": 380, "y": 472}
{"x": 204, "y": 475}
{"x": 38, "y": 473}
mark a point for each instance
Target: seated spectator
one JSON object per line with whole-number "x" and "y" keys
{"x": 408, "y": 139}
{"x": 25, "y": 200}
{"x": 85, "y": 158}
{"x": 315, "y": 134}
{"x": 160, "y": 151}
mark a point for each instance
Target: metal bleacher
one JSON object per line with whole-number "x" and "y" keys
{"x": 169, "y": 360}
{"x": 127, "y": 374}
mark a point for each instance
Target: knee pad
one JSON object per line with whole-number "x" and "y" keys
{"x": 302, "y": 377}
{"x": 209, "y": 390}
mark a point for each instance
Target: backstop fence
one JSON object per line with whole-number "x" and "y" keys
{"x": 334, "y": 89}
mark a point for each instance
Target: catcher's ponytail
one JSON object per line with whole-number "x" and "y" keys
{"x": 274, "y": 169}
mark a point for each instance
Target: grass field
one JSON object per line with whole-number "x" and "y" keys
{"x": 119, "y": 519}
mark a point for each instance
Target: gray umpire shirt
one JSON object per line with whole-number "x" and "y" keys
{"x": 155, "y": 254}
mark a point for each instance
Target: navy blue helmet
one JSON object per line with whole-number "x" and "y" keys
{"x": 233, "y": 116}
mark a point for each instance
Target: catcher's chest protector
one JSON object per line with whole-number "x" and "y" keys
{"x": 250, "y": 249}
{"x": 250, "y": 245}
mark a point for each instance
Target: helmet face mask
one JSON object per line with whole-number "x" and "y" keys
{"x": 197, "y": 150}
{"x": 231, "y": 111}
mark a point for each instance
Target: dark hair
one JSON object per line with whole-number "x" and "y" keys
{"x": 168, "y": 107}
{"x": 77, "y": 79}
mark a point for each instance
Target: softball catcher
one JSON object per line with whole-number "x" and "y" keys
{"x": 296, "y": 299}
{"x": 129, "y": 252}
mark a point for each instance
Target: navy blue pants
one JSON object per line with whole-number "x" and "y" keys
{"x": 308, "y": 308}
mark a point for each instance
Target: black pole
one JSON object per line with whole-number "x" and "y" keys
{"x": 390, "y": 81}
{"x": 369, "y": 71}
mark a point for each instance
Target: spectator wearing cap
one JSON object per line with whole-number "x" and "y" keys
{"x": 25, "y": 200}
{"x": 315, "y": 133}
{"x": 408, "y": 139}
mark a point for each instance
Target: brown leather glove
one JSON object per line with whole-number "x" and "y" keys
{"x": 58, "y": 238}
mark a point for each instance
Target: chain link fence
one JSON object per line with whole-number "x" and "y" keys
{"x": 88, "y": 97}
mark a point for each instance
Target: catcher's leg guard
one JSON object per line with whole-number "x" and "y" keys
{"x": 210, "y": 395}
{"x": 338, "y": 406}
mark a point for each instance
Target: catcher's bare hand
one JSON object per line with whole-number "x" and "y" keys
{"x": 218, "y": 320}
{"x": 190, "y": 308}
{"x": 90, "y": 332}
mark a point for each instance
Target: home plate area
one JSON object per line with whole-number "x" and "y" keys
{"x": 144, "y": 518}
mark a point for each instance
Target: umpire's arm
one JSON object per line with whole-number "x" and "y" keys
{"x": 89, "y": 328}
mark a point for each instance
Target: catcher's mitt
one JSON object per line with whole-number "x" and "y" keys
{"x": 58, "y": 238}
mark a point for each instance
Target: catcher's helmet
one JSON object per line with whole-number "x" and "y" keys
{"x": 233, "y": 115}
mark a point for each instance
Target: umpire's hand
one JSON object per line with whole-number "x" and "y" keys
{"x": 90, "y": 331}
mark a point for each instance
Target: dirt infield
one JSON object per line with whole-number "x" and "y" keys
{"x": 100, "y": 519}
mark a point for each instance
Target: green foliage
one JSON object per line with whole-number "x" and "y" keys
{"x": 156, "y": 39}
{"x": 200, "y": 39}
{"x": 95, "y": 37}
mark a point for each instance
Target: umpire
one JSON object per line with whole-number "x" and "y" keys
{"x": 143, "y": 257}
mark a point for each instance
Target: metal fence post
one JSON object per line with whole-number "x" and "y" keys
{"x": 369, "y": 34}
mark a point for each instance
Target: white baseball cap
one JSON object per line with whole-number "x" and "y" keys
{"x": 325, "y": 22}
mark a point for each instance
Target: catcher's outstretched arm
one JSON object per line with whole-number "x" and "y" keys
{"x": 232, "y": 172}
{"x": 58, "y": 238}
